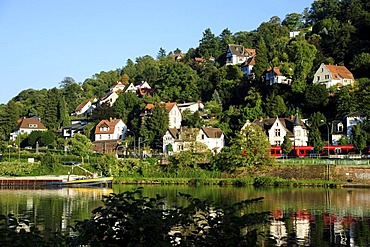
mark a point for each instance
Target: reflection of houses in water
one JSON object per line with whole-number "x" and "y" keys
{"x": 278, "y": 230}
{"x": 341, "y": 227}
{"x": 301, "y": 224}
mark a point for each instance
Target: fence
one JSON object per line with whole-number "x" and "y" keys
{"x": 344, "y": 162}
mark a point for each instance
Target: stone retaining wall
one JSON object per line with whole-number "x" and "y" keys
{"x": 356, "y": 174}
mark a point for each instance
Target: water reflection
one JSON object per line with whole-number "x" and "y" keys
{"x": 300, "y": 216}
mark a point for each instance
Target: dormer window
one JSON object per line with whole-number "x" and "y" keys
{"x": 33, "y": 126}
{"x": 340, "y": 127}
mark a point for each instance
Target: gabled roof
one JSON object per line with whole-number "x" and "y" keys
{"x": 276, "y": 70}
{"x": 168, "y": 105}
{"x": 356, "y": 114}
{"x": 174, "y": 132}
{"x": 212, "y": 132}
{"x": 30, "y": 123}
{"x": 117, "y": 85}
{"x": 237, "y": 50}
{"x": 80, "y": 106}
{"x": 338, "y": 72}
{"x": 288, "y": 123}
{"x": 107, "y": 123}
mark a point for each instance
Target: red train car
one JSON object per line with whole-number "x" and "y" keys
{"x": 309, "y": 151}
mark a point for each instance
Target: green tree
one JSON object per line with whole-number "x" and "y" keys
{"x": 358, "y": 138}
{"x": 161, "y": 53}
{"x": 293, "y": 21}
{"x": 80, "y": 145}
{"x": 177, "y": 82}
{"x": 249, "y": 151}
{"x": 47, "y": 138}
{"x": 154, "y": 125}
{"x": 286, "y": 146}
{"x": 315, "y": 140}
{"x": 275, "y": 105}
{"x": 209, "y": 45}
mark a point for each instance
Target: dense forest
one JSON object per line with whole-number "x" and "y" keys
{"x": 340, "y": 35}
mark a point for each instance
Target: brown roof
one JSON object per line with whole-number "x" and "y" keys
{"x": 106, "y": 123}
{"x": 174, "y": 132}
{"x": 288, "y": 123}
{"x": 338, "y": 72}
{"x": 31, "y": 123}
{"x": 212, "y": 132}
{"x": 276, "y": 71}
{"x": 80, "y": 106}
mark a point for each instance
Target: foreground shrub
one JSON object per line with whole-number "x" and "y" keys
{"x": 130, "y": 219}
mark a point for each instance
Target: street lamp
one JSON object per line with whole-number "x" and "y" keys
{"x": 134, "y": 140}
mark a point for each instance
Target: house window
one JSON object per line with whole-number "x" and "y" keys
{"x": 326, "y": 77}
{"x": 318, "y": 78}
{"x": 298, "y": 133}
{"x": 277, "y": 143}
{"x": 202, "y": 137}
{"x": 340, "y": 128}
{"x": 322, "y": 69}
{"x": 277, "y": 132}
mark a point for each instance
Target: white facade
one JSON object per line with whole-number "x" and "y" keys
{"x": 274, "y": 76}
{"x": 332, "y": 75}
{"x": 109, "y": 98}
{"x": 174, "y": 116}
{"x": 277, "y": 128}
{"x": 113, "y": 129}
{"x": 214, "y": 142}
{"x": 213, "y": 138}
{"x": 192, "y": 106}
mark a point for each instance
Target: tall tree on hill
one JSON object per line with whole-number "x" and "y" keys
{"x": 161, "y": 53}
{"x": 177, "y": 82}
{"x": 209, "y": 45}
{"x": 262, "y": 62}
{"x": 147, "y": 69}
{"x": 302, "y": 54}
{"x": 286, "y": 146}
{"x": 293, "y": 21}
{"x": 50, "y": 114}
{"x": 9, "y": 114}
{"x": 126, "y": 107}
{"x": 154, "y": 126}
{"x": 358, "y": 138}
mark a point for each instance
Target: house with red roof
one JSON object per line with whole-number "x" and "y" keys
{"x": 245, "y": 57}
{"x": 26, "y": 126}
{"x": 333, "y": 75}
{"x": 84, "y": 108}
{"x": 112, "y": 129}
{"x": 274, "y": 76}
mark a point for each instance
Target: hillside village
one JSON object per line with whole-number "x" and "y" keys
{"x": 286, "y": 77}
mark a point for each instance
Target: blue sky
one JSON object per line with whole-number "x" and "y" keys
{"x": 43, "y": 41}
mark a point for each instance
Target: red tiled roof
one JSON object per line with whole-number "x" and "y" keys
{"x": 80, "y": 106}
{"x": 106, "y": 123}
{"x": 338, "y": 72}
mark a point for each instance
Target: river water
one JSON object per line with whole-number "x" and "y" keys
{"x": 301, "y": 216}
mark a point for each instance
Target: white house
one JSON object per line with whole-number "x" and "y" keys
{"x": 117, "y": 87}
{"x": 175, "y": 140}
{"x": 214, "y": 138}
{"x": 277, "y": 128}
{"x": 112, "y": 129}
{"x": 191, "y": 106}
{"x": 238, "y": 55}
{"x": 84, "y": 108}
{"x": 274, "y": 76}
{"x": 26, "y": 126}
{"x": 333, "y": 75}
{"x": 109, "y": 98}
{"x": 343, "y": 128}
